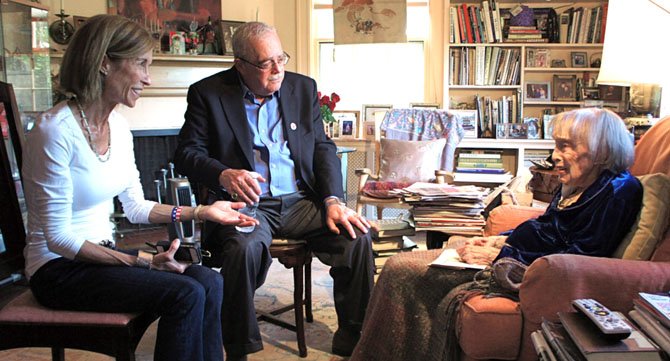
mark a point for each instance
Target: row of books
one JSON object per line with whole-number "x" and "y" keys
{"x": 475, "y": 24}
{"x": 583, "y": 25}
{"x": 576, "y": 338}
{"x": 496, "y": 111}
{"x": 484, "y": 66}
{"x": 481, "y": 166}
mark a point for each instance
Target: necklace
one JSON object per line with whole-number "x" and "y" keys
{"x": 89, "y": 138}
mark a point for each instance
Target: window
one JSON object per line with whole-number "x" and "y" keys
{"x": 372, "y": 73}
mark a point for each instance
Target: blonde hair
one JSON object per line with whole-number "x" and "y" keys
{"x": 603, "y": 132}
{"x": 116, "y": 37}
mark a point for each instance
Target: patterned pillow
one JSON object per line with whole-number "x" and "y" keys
{"x": 410, "y": 160}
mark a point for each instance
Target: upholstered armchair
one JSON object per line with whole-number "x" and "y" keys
{"x": 417, "y": 145}
{"x": 499, "y": 328}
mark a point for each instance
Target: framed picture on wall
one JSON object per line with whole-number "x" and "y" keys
{"x": 228, "y": 28}
{"x": 370, "y": 111}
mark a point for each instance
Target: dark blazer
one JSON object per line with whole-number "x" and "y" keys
{"x": 216, "y": 135}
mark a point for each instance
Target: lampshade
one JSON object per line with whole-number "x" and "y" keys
{"x": 635, "y": 48}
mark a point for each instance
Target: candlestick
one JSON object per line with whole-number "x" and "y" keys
{"x": 62, "y": 5}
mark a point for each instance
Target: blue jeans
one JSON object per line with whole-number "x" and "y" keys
{"x": 189, "y": 304}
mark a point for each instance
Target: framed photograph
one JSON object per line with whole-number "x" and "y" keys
{"x": 558, "y": 63}
{"x": 370, "y": 131}
{"x": 534, "y": 128}
{"x": 511, "y": 131}
{"x": 228, "y": 28}
{"x": 547, "y": 126}
{"x": 610, "y": 92}
{"x": 540, "y": 58}
{"x": 537, "y": 91}
{"x": 565, "y": 87}
{"x": 424, "y": 105}
{"x": 348, "y": 122}
{"x": 372, "y": 112}
{"x": 78, "y": 21}
{"x": 590, "y": 93}
{"x": 578, "y": 59}
{"x": 469, "y": 121}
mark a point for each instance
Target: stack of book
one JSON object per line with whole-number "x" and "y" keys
{"x": 447, "y": 208}
{"x": 576, "y": 338}
{"x": 481, "y": 166}
{"x": 392, "y": 237}
{"x": 525, "y": 34}
{"x": 652, "y": 313}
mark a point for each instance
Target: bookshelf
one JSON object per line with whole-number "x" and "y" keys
{"x": 469, "y": 73}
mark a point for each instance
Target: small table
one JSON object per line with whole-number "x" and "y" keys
{"x": 344, "y": 160}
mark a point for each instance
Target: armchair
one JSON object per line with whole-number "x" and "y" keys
{"x": 418, "y": 145}
{"x": 552, "y": 282}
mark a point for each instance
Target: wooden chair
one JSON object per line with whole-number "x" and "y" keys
{"x": 23, "y": 321}
{"x": 295, "y": 255}
{"x": 26, "y": 323}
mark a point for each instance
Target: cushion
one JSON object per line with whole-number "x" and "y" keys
{"x": 651, "y": 222}
{"x": 507, "y": 217}
{"x": 410, "y": 160}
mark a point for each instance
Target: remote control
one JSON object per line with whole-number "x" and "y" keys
{"x": 611, "y": 324}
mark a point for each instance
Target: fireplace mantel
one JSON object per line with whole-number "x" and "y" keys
{"x": 163, "y": 103}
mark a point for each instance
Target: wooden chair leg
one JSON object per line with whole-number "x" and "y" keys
{"x": 297, "y": 309}
{"x": 380, "y": 211}
{"x": 308, "y": 290}
{"x": 58, "y": 354}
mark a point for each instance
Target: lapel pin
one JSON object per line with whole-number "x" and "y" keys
{"x": 293, "y": 126}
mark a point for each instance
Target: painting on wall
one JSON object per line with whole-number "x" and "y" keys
{"x": 167, "y": 15}
{"x": 369, "y": 21}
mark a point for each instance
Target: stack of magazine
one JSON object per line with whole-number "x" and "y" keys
{"x": 652, "y": 313}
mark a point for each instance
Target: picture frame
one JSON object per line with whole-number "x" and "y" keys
{"x": 564, "y": 88}
{"x": 227, "y": 29}
{"x": 424, "y": 105}
{"x": 610, "y": 92}
{"x": 547, "y": 126}
{"x": 511, "y": 131}
{"x": 370, "y": 110}
{"x": 469, "y": 121}
{"x": 533, "y": 127}
{"x": 578, "y": 59}
{"x": 370, "y": 131}
{"x": 537, "y": 91}
{"x": 590, "y": 93}
{"x": 348, "y": 123}
{"x": 558, "y": 63}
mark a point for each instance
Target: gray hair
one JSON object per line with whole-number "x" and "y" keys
{"x": 243, "y": 35}
{"x": 604, "y": 133}
{"x": 116, "y": 37}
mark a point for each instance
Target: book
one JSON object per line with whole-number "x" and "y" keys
{"x": 658, "y": 305}
{"x": 595, "y": 347}
{"x": 542, "y": 348}
{"x": 652, "y": 328}
{"x": 560, "y": 341}
{"x": 449, "y": 258}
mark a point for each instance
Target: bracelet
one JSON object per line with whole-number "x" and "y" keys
{"x": 176, "y": 214}
{"x": 142, "y": 262}
{"x": 333, "y": 200}
{"x": 196, "y": 213}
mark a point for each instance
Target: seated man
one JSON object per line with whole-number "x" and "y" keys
{"x": 254, "y": 133}
{"x": 590, "y": 214}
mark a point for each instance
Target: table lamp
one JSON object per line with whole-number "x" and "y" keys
{"x": 634, "y": 53}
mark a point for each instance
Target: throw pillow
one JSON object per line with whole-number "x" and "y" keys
{"x": 640, "y": 242}
{"x": 410, "y": 160}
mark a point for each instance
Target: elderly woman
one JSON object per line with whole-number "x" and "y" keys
{"x": 80, "y": 156}
{"x": 591, "y": 213}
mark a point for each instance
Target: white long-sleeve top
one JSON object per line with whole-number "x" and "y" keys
{"x": 69, "y": 191}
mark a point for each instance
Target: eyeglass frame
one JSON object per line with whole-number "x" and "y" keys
{"x": 270, "y": 62}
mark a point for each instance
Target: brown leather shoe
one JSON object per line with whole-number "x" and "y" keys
{"x": 344, "y": 341}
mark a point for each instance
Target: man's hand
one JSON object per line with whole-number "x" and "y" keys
{"x": 241, "y": 184}
{"x": 226, "y": 213}
{"x": 337, "y": 213}
{"x": 165, "y": 261}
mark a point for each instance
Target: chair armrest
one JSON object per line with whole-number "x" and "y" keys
{"x": 506, "y": 217}
{"x": 363, "y": 175}
{"x": 552, "y": 282}
{"x": 443, "y": 176}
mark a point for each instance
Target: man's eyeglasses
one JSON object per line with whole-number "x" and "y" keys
{"x": 268, "y": 64}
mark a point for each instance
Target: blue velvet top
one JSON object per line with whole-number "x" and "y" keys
{"x": 593, "y": 226}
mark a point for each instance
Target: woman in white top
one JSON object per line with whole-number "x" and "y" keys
{"x": 79, "y": 156}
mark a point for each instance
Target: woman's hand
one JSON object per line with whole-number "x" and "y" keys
{"x": 165, "y": 261}
{"x": 226, "y": 213}
{"x": 490, "y": 241}
{"x": 478, "y": 254}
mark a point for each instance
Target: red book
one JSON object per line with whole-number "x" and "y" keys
{"x": 604, "y": 23}
{"x": 468, "y": 23}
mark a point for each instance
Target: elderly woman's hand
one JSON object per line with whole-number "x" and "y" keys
{"x": 480, "y": 254}
{"x": 490, "y": 241}
{"x": 226, "y": 213}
